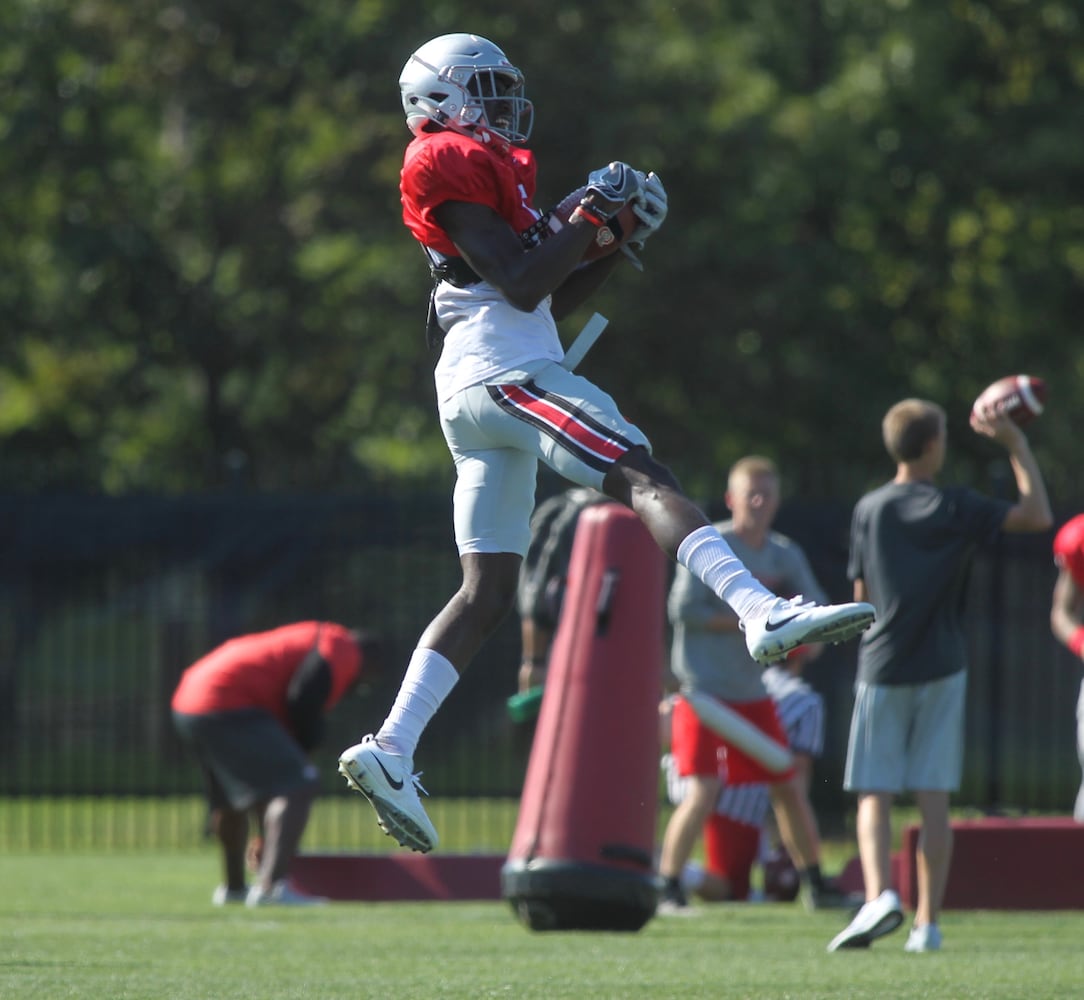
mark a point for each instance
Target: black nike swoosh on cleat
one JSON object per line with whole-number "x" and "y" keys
{"x": 397, "y": 785}
{"x": 770, "y": 626}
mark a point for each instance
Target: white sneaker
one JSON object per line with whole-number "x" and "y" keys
{"x": 221, "y": 896}
{"x": 877, "y": 918}
{"x": 281, "y": 894}
{"x": 385, "y": 779}
{"x": 791, "y": 623}
{"x": 924, "y": 938}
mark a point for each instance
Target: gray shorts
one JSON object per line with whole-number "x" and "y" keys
{"x": 247, "y": 756}
{"x": 498, "y": 433}
{"x": 907, "y": 737}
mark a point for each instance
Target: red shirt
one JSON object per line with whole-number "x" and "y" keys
{"x": 1069, "y": 549}
{"x": 254, "y": 671}
{"x": 447, "y": 166}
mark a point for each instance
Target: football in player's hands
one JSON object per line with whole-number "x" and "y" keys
{"x": 1020, "y": 397}
{"x": 609, "y": 237}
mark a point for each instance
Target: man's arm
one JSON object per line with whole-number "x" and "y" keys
{"x": 695, "y": 605}
{"x": 803, "y": 581}
{"x": 525, "y": 277}
{"x": 1066, "y": 619}
{"x": 1031, "y": 512}
{"x": 306, "y": 697}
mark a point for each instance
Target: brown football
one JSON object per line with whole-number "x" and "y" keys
{"x": 607, "y": 239}
{"x": 1021, "y": 397}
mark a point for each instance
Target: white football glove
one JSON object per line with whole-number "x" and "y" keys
{"x": 649, "y": 205}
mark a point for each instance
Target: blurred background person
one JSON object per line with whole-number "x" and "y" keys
{"x": 253, "y": 710}
{"x": 543, "y": 576}
{"x": 709, "y": 656}
{"x": 738, "y": 833}
{"x": 1067, "y": 618}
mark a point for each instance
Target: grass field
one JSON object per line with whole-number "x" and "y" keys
{"x": 140, "y": 927}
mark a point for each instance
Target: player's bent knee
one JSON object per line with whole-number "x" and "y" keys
{"x": 638, "y": 471}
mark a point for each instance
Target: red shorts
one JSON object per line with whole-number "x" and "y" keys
{"x": 701, "y": 751}
{"x": 730, "y": 848}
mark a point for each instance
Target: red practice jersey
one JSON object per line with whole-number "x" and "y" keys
{"x": 1069, "y": 548}
{"x": 254, "y": 671}
{"x": 447, "y": 166}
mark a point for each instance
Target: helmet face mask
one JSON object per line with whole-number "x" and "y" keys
{"x": 463, "y": 82}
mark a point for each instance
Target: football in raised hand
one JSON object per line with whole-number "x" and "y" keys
{"x": 1020, "y": 397}
{"x": 609, "y": 238}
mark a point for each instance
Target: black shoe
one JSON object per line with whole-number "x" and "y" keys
{"x": 672, "y": 898}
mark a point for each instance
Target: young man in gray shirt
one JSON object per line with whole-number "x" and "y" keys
{"x": 709, "y": 658}
{"x": 911, "y": 546}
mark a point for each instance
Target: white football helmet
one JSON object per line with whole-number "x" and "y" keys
{"x": 462, "y": 81}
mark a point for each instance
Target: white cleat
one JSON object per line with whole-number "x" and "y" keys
{"x": 385, "y": 779}
{"x": 790, "y": 624}
{"x": 877, "y": 918}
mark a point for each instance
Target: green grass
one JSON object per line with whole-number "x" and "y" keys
{"x": 140, "y": 927}
{"x": 339, "y": 823}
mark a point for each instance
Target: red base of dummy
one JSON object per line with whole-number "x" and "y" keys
{"x": 397, "y": 877}
{"x": 851, "y": 879}
{"x": 1006, "y": 864}
{"x": 997, "y": 864}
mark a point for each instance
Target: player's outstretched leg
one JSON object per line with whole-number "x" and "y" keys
{"x": 387, "y": 781}
{"x": 792, "y": 623}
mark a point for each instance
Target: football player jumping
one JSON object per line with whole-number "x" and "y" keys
{"x": 503, "y": 273}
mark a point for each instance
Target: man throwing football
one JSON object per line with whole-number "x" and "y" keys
{"x": 504, "y": 273}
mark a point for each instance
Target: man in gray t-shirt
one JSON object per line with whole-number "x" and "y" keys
{"x": 709, "y": 657}
{"x": 913, "y": 541}
{"x": 911, "y": 548}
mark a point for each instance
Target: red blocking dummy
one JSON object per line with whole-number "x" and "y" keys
{"x": 582, "y": 852}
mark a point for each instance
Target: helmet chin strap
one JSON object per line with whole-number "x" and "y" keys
{"x": 481, "y": 133}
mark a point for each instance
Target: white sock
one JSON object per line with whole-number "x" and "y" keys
{"x": 429, "y": 679}
{"x": 706, "y": 554}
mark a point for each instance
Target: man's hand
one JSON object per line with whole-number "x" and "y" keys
{"x": 1000, "y": 427}
{"x": 650, "y": 207}
{"x": 609, "y": 188}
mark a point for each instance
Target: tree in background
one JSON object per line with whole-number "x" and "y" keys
{"x": 204, "y": 277}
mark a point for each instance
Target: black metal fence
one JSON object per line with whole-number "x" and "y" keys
{"x": 105, "y": 601}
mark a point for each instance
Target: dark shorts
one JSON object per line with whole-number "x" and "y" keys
{"x": 247, "y": 756}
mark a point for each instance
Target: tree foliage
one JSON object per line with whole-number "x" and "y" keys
{"x": 204, "y": 274}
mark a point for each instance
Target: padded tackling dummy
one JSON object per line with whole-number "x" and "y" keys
{"x": 582, "y": 852}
